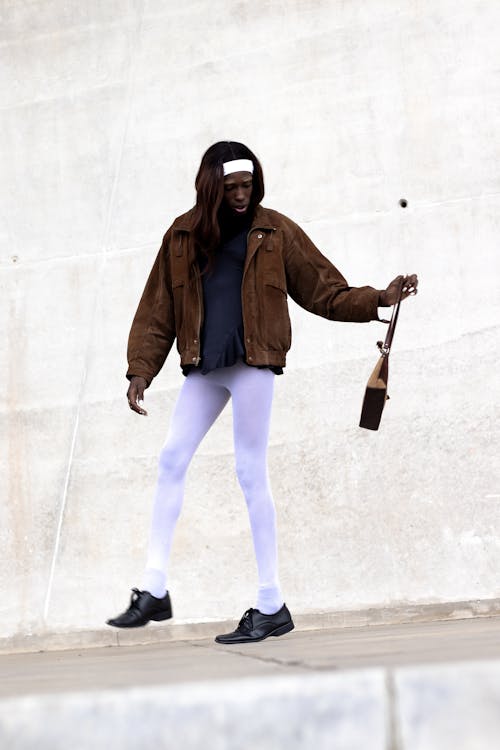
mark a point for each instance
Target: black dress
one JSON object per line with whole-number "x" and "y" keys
{"x": 222, "y": 339}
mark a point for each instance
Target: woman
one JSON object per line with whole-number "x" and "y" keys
{"x": 219, "y": 287}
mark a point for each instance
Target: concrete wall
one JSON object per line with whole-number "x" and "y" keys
{"x": 424, "y": 707}
{"x": 106, "y": 108}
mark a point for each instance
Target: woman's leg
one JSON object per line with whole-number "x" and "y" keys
{"x": 200, "y": 402}
{"x": 252, "y": 394}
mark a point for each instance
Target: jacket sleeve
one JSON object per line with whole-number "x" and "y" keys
{"x": 153, "y": 328}
{"x": 319, "y": 287}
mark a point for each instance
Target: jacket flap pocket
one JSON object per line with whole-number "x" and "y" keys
{"x": 276, "y": 281}
{"x": 178, "y": 244}
{"x": 268, "y": 245}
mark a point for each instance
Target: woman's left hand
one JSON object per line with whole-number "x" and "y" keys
{"x": 390, "y": 295}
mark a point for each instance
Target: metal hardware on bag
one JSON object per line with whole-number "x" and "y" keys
{"x": 384, "y": 350}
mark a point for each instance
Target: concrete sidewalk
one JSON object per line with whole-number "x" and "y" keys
{"x": 398, "y": 687}
{"x": 202, "y": 659}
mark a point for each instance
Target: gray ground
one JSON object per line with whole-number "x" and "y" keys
{"x": 300, "y": 651}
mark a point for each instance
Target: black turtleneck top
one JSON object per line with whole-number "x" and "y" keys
{"x": 222, "y": 339}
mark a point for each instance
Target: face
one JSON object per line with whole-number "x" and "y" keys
{"x": 238, "y": 191}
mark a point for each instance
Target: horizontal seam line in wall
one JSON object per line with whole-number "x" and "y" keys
{"x": 82, "y": 256}
{"x": 315, "y": 220}
{"x": 41, "y": 35}
{"x": 415, "y": 207}
{"x": 119, "y": 82}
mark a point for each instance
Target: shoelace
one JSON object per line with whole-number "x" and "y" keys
{"x": 136, "y": 595}
{"x": 246, "y": 623}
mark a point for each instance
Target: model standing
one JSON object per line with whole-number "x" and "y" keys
{"x": 219, "y": 288}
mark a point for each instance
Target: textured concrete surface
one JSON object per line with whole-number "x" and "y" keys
{"x": 106, "y": 110}
{"x": 286, "y": 712}
{"x": 420, "y": 686}
{"x": 201, "y": 659}
{"x": 174, "y": 630}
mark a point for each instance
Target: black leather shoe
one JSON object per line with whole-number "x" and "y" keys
{"x": 255, "y": 626}
{"x": 143, "y": 608}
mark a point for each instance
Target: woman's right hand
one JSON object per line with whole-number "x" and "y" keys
{"x": 135, "y": 394}
{"x": 390, "y": 295}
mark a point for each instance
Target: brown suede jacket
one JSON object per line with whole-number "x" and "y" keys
{"x": 281, "y": 260}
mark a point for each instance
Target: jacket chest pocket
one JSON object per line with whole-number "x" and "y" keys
{"x": 270, "y": 261}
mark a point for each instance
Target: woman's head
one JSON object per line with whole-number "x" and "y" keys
{"x": 220, "y": 187}
{"x": 212, "y": 174}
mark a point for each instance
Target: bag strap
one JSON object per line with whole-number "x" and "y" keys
{"x": 386, "y": 346}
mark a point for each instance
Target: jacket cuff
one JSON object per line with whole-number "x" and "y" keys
{"x": 381, "y": 312}
{"x": 138, "y": 374}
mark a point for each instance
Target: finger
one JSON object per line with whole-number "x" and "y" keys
{"x": 137, "y": 408}
{"x": 406, "y": 293}
{"x": 140, "y": 399}
{"x": 135, "y": 400}
{"x": 140, "y": 407}
{"x": 132, "y": 392}
{"x": 411, "y": 281}
{"x": 409, "y": 286}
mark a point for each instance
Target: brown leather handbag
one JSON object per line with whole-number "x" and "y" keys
{"x": 376, "y": 388}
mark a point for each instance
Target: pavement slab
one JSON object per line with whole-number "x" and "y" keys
{"x": 298, "y": 652}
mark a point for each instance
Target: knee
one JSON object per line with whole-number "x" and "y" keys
{"x": 251, "y": 477}
{"x": 172, "y": 464}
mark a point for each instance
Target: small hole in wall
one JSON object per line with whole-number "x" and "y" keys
{"x": 403, "y": 202}
{"x": 15, "y": 258}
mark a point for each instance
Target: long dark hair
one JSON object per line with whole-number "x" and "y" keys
{"x": 209, "y": 185}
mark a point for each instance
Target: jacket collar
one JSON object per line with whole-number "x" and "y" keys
{"x": 261, "y": 220}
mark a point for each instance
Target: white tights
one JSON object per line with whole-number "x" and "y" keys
{"x": 201, "y": 399}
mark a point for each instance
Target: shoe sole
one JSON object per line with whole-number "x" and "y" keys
{"x": 160, "y": 617}
{"x": 286, "y": 628}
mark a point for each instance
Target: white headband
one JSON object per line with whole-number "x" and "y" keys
{"x": 238, "y": 165}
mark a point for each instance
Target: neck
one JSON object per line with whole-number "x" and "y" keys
{"x": 231, "y": 223}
